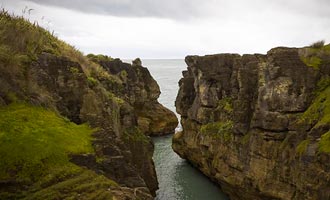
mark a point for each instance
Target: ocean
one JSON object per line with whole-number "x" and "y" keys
{"x": 177, "y": 179}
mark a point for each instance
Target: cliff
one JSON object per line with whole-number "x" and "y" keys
{"x": 141, "y": 91}
{"x": 258, "y": 125}
{"x": 69, "y": 127}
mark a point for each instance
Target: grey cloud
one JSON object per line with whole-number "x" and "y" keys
{"x": 187, "y": 9}
{"x": 132, "y": 8}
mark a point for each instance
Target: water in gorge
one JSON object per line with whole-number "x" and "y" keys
{"x": 177, "y": 179}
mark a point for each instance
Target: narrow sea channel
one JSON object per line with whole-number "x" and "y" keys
{"x": 177, "y": 179}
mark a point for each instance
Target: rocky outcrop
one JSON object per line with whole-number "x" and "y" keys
{"x": 40, "y": 72}
{"x": 141, "y": 91}
{"x": 258, "y": 125}
{"x": 121, "y": 152}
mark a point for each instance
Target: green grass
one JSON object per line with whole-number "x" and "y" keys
{"x": 113, "y": 97}
{"x": 323, "y": 84}
{"x": 314, "y": 53}
{"x": 99, "y": 58}
{"x": 74, "y": 185}
{"x": 312, "y": 61}
{"x": 91, "y": 81}
{"x": 67, "y": 182}
{"x": 218, "y": 129}
{"x": 324, "y": 145}
{"x": 34, "y": 140}
{"x": 302, "y": 146}
{"x": 318, "y": 112}
{"x": 21, "y": 42}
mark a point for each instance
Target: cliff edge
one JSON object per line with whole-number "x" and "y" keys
{"x": 258, "y": 125}
{"x": 69, "y": 127}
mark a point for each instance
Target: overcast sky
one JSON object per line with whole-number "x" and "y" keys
{"x": 176, "y": 28}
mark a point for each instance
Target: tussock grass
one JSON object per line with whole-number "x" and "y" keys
{"x": 22, "y": 41}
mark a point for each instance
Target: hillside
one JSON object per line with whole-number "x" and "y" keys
{"x": 72, "y": 125}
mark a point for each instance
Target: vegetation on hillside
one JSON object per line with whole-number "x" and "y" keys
{"x": 22, "y": 41}
{"x": 318, "y": 114}
{"x": 34, "y": 141}
{"x": 99, "y": 58}
{"x": 313, "y": 55}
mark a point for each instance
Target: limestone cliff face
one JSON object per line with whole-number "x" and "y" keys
{"x": 141, "y": 91}
{"x": 122, "y": 153}
{"x": 258, "y": 125}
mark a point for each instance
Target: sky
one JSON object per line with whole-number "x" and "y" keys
{"x": 175, "y": 28}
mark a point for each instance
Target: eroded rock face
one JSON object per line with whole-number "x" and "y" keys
{"x": 113, "y": 102}
{"x": 142, "y": 91}
{"x": 246, "y": 124}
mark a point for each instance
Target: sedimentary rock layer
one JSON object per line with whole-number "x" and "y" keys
{"x": 258, "y": 125}
{"x": 43, "y": 74}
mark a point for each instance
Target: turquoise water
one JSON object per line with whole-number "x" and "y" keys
{"x": 177, "y": 179}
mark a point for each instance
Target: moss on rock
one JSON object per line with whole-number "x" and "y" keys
{"x": 218, "y": 129}
{"x": 324, "y": 145}
{"x": 319, "y": 111}
{"x": 134, "y": 134}
{"x": 302, "y": 146}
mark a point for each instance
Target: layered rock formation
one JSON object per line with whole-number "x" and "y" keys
{"x": 141, "y": 91}
{"x": 258, "y": 125}
{"x": 43, "y": 74}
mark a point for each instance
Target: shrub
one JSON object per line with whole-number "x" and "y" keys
{"x": 318, "y": 44}
{"x": 99, "y": 58}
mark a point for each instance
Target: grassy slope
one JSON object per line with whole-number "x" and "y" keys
{"x": 33, "y": 140}
{"x": 318, "y": 113}
{"x": 35, "y": 143}
{"x": 313, "y": 55}
{"x": 22, "y": 41}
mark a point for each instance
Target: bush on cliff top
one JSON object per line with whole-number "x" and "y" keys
{"x": 99, "y": 58}
{"x": 34, "y": 141}
{"x": 313, "y": 55}
{"x": 318, "y": 44}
